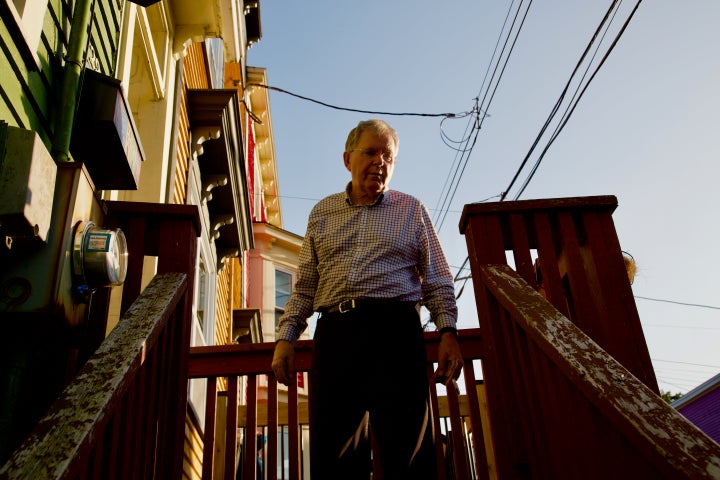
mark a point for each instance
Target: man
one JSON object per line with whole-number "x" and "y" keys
{"x": 369, "y": 257}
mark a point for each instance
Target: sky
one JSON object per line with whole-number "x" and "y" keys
{"x": 646, "y": 130}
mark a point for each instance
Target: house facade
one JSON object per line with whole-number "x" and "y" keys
{"x": 137, "y": 103}
{"x": 701, "y": 406}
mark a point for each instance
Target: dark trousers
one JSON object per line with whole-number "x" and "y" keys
{"x": 370, "y": 364}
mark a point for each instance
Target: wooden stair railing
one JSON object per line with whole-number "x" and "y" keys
{"x": 563, "y": 408}
{"x": 113, "y": 420}
{"x": 154, "y": 380}
{"x": 582, "y": 272}
{"x": 248, "y": 365}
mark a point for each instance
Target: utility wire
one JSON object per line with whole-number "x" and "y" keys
{"x": 455, "y": 167}
{"x": 559, "y": 101}
{"x": 468, "y": 130}
{"x": 372, "y": 112}
{"x": 570, "y": 107}
{"x": 572, "y": 110}
{"x": 482, "y": 107}
{"x": 677, "y": 303}
{"x": 685, "y": 363}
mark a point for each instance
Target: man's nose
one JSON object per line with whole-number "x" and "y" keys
{"x": 380, "y": 159}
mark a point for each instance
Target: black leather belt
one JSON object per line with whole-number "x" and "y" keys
{"x": 355, "y": 303}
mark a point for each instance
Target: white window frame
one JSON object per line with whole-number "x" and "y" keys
{"x": 276, "y": 308}
{"x": 205, "y": 335}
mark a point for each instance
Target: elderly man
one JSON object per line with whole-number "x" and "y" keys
{"x": 369, "y": 259}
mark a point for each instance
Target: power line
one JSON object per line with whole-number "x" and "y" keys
{"x": 458, "y": 170}
{"x": 574, "y": 105}
{"x": 606, "y": 20}
{"x": 685, "y": 363}
{"x": 677, "y": 303}
{"x": 347, "y": 109}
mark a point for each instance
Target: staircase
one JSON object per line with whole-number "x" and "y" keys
{"x": 568, "y": 390}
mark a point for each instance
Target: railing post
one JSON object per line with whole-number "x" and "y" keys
{"x": 168, "y": 232}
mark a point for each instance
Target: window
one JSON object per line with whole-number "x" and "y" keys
{"x": 283, "y": 286}
{"x": 204, "y": 301}
{"x": 202, "y": 293}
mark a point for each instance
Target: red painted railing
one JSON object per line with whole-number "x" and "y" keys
{"x": 566, "y": 396}
{"x": 247, "y": 366}
{"x": 116, "y": 419}
{"x": 561, "y": 407}
{"x": 123, "y": 416}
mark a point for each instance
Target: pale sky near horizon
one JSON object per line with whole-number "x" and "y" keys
{"x": 646, "y": 130}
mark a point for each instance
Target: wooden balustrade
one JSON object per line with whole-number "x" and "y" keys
{"x": 124, "y": 414}
{"x": 569, "y": 386}
{"x": 115, "y": 421}
{"x": 567, "y": 248}
{"x": 248, "y": 366}
{"x": 561, "y": 407}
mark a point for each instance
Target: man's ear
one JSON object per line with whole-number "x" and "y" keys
{"x": 346, "y": 160}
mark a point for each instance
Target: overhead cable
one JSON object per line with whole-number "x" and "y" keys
{"x": 480, "y": 109}
{"x": 571, "y": 109}
{"x": 347, "y": 109}
{"x": 612, "y": 10}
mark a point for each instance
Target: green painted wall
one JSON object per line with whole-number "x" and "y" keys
{"x": 28, "y": 91}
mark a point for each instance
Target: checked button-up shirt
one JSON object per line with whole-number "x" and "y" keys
{"x": 387, "y": 250}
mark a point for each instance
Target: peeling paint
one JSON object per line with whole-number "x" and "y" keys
{"x": 48, "y": 451}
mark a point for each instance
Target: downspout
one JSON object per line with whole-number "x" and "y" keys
{"x": 74, "y": 63}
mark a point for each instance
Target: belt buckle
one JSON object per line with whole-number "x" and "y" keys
{"x": 352, "y": 305}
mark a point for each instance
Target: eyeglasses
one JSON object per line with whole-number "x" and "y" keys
{"x": 371, "y": 153}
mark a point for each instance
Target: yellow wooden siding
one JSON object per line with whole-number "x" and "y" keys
{"x": 237, "y": 290}
{"x": 223, "y": 317}
{"x": 192, "y": 464}
{"x": 194, "y": 76}
{"x": 183, "y": 152}
{"x": 196, "y": 67}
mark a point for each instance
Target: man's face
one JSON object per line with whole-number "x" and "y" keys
{"x": 371, "y": 164}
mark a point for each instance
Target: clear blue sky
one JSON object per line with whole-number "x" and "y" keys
{"x": 647, "y": 130}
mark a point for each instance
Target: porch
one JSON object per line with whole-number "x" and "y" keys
{"x": 569, "y": 386}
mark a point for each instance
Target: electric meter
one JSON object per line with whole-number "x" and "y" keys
{"x": 99, "y": 255}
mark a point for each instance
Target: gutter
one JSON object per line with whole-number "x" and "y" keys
{"x": 70, "y": 89}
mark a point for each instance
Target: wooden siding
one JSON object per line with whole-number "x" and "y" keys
{"x": 704, "y": 412}
{"x": 223, "y": 314}
{"x": 223, "y": 308}
{"x": 196, "y": 67}
{"x": 192, "y": 452}
{"x": 105, "y": 33}
{"x": 183, "y": 150}
{"x": 194, "y": 76}
{"x": 28, "y": 92}
{"x": 238, "y": 297}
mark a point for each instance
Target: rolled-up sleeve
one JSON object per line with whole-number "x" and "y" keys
{"x": 438, "y": 288}
{"x": 299, "y": 307}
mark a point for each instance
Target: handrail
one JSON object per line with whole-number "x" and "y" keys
{"x": 110, "y": 421}
{"x": 621, "y": 427}
{"x": 252, "y": 361}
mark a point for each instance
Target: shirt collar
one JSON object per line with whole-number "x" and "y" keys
{"x": 379, "y": 200}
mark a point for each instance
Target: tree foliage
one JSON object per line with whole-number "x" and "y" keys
{"x": 670, "y": 397}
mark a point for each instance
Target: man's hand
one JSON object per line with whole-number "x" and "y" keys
{"x": 450, "y": 360}
{"x": 283, "y": 363}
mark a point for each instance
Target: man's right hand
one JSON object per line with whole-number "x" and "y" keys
{"x": 283, "y": 363}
